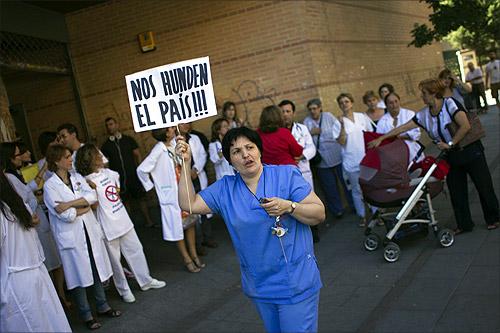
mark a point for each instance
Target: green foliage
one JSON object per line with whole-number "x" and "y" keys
{"x": 473, "y": 24}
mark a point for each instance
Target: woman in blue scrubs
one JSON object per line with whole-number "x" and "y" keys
{"x": 268, "y": 210}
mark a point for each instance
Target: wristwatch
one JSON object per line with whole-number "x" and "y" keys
{"x": 450, "y": 143}
{"x": 294, "y": 205}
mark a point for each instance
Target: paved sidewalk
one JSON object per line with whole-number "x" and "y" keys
{"x": 430, "y": 289}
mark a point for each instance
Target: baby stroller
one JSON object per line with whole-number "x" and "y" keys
{"x": 386, "y": 184}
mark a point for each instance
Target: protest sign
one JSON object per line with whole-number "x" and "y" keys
{"x": 171, "y": 94}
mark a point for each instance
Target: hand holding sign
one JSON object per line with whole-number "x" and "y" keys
{"x": 168, "y": 95}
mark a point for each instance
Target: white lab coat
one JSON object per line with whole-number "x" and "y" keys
{"x": 161, "y": 166}
{"x": 199, "y": 159}
{"x": 28, "y": 300}
{"x": 301, "y": 134}
{"x": 111, "y": 212}
{"x": 52, "y": 259}
{"x": 221, "y": 165}
{"x": 386, "y": 124}
{"x": 119, "y": 231}
{"x": 68, "y": 231}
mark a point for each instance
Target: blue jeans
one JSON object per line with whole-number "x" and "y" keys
{"x": 299, "y": 317}
{"x": 80, "y": 293}
{"x": 330, "y": 180}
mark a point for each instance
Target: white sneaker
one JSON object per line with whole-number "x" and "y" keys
{"x": 128, "y": 298}
{"x": 154, "y": 284}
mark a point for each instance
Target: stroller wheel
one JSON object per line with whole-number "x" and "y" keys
{"x": 392, "y": 252}
{"x": 445, "y": 237}
{"x": 372, "y": 241}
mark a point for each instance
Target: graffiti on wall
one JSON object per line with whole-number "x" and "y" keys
{"x": 250, "y": 99}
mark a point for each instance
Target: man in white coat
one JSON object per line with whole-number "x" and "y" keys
{"x": 68, "y": 137}
{"x": 301, "y": 133}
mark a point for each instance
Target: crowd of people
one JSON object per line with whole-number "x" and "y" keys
{"x": 72, "y": 220}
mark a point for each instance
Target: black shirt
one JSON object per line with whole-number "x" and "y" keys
{"x": 121, "y": 159}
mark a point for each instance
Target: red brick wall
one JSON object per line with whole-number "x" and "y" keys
{"x": 260, "y": 51}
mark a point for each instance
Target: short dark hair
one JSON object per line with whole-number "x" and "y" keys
{"x": 233, "y": 134}
{"x": 68, "y": 127}
{"x": 287, "y": 102}
{"x": 160, "y": 134}
{"x": 347, "y": 95}
{"x": 315, "y": 101}
{"x": 389, "y": 94}
{"x": 271, "y": 119}
{"x": 54, "y": 154}
{"x": 216, "y": 125}
{"x": 389, "y": 87}
{"x": 108, "y": 119}
{"x": 84, "y": 157}
{"x": 45, "y": 139}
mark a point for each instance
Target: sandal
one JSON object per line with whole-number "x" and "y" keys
{"x": 93, "y": 324}
{"x": 110, "y": 313}
{"x": 191, "y": 267}
{"x": 198, "y": 262}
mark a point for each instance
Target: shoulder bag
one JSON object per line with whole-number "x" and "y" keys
{"x": 475, "y": 133}
{"x": 317, "y": 158}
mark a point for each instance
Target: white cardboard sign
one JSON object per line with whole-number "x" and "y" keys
{"x": 171, "y": 94}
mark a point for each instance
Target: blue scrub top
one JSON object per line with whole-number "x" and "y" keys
{"x": 265, "y": 274}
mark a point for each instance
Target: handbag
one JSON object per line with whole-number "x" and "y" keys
{"x": 317, "y": 158}
{"x": 475, "y": 133}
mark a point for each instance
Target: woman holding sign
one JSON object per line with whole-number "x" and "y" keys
{"x": 268, "y": 211}
{"x": 115, "y": 222}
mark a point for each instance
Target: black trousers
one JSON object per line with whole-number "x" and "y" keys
{"x": 477, "y": 92}
{"x": 471, "y": 161}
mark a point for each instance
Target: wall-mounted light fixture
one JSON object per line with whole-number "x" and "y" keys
{"x": 146, "y": 41}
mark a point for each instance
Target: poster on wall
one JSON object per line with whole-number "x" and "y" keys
{"x": 171, "y": 94}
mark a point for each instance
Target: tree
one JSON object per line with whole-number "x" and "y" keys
{"x": 472, "y": 24}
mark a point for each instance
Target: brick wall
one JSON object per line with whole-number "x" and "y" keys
{"x": 260, "y": 51}
{"x": 6, "y": 124}
{"x": 48, "y": 100}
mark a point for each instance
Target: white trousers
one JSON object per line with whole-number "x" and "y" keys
{"x": 131, "y": 247}
{"x": 357, "y": 195}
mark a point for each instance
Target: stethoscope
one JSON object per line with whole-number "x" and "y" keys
{"x": 277, "y": 229}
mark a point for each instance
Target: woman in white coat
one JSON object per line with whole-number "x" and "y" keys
{"x": 222, "y": 168}
{"x": 163, "y": 166}
{"x": 12, "y": 159}
{"x": 397, "y": 116}
{"x": 350, "y": 136}
{"x": 77, "y": 233}
{"x": 28, "y": 300}
{"x": 115, "y": 222}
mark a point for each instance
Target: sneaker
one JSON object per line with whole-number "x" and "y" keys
{"x": 128, "y": 274}
{"x": 154, "y": 284}
{"x": 128, "y": 298}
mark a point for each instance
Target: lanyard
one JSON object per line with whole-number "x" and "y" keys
{"x": 277, "y": 228}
